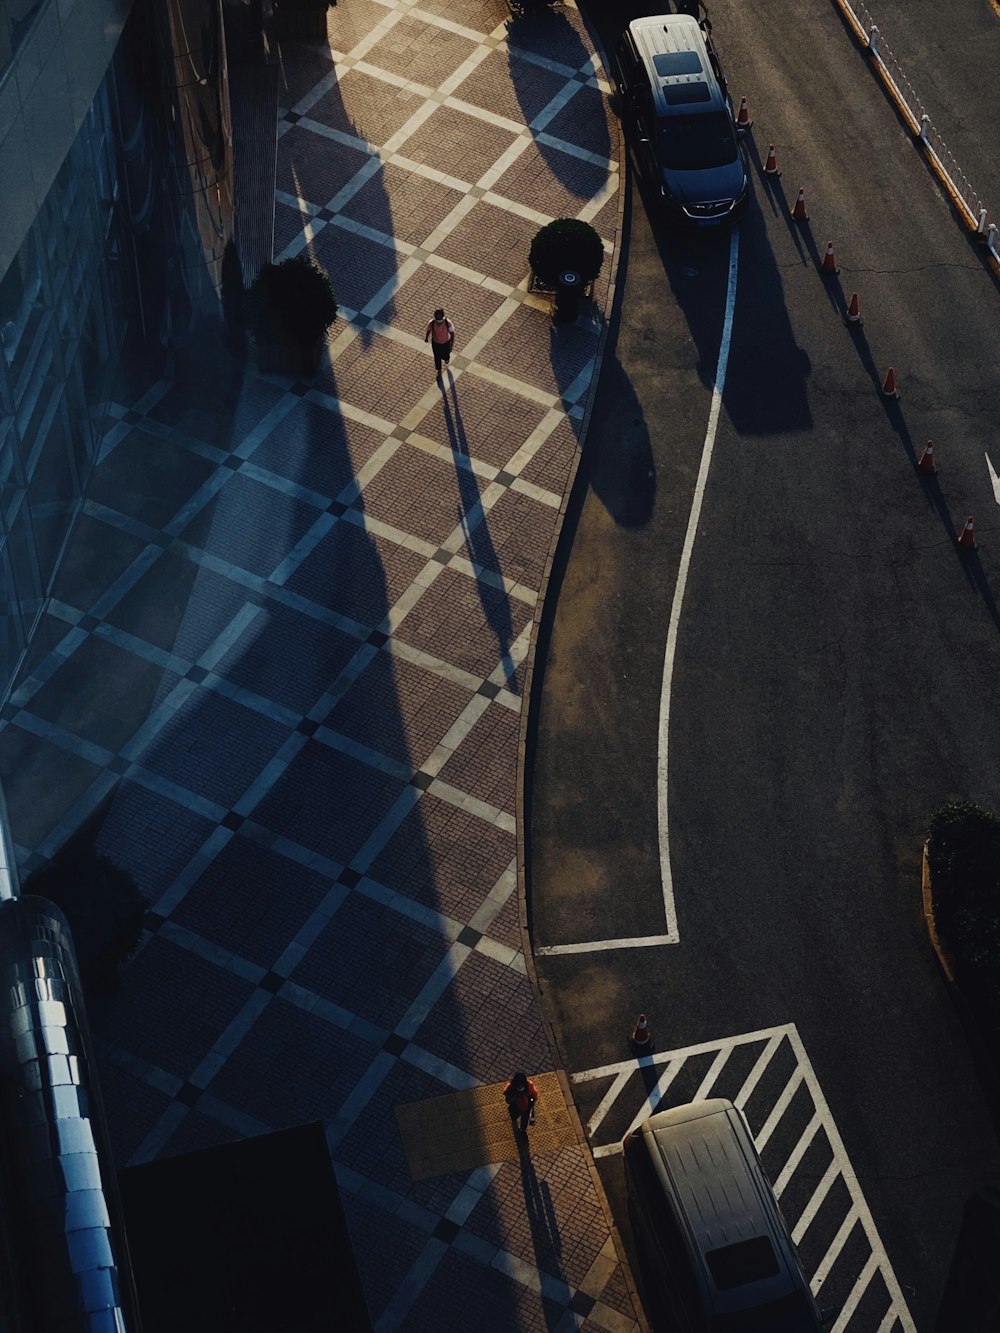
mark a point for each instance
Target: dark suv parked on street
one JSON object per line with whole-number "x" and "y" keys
{"x": 673, "y": 97}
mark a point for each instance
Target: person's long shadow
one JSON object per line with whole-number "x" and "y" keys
{"x": 545, "y": 1236}
{"x": 472, "y": 516}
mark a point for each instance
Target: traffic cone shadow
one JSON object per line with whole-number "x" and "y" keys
{"x": 831, "y": 282}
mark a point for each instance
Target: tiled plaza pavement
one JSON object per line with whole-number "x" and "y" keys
{"x": 286, "y": 665}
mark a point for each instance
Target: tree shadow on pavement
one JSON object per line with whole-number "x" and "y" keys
{"x": 472, "y": 517}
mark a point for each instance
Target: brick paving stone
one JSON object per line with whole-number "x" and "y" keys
{"x": 308, "y": 169}
{"x": 327, "y": 801}
{"x": 213, "y": 746}
{"x": 385, "y": 1248}
{"x": 483, "y": 16}
{"x": 467, "y": 623}
{"x": 486, "y": 419}
{"x": 251, "y": 900}
{"x": 550, "y": 466}
{"x": 482, "y": 765}
{"x": 302, "y": 65}
{"x": 132, "y": 1107}
{"x": 40, "y": 766}
{"x": 339, "y": 967}
{"x": 178, "y": 605}
{"x": 148, "y": 478}
{"x": 172, "y": 1007}
{"x": 487, "y": 1022}
{"x": 536, "y": 1210}
{"x": 587, "y": 121}
{"x": 373, "y": 1146}
{"x": 535, "y": 350}
{"x": 376, "y": 375}
{"x": 457, "y": 144}
{"x": 288, "y": 657}
{"x": 357, "y": 573}
{"x": 419, "y": 493}
{"x": 365, "y": 106}
{"x": 357, "y": 266}
{"x": 560, "y": 35}
{"x": 520, "y": 529}
{"x": 460, "y": 1284}
{"x": 131, "y": 833}
{"x": 551, "y": 181}
{"x": 217, "y": 406}
{"x": 399, "y": 709}
{"x": 420, "y": 52}
{"x": 101, "y": 693}
{"x": 468, "y": 304}
{"x": 444, "y": 857}
{"x": 493, "y": 241}
{"x": 504, "y": 927}
{"x": 507, "y": 85}
{"x": 250, "y": 524}
{"x": 288, "y": 224}
{"x": 402, "y": 204}
{"x": 101, "y": 552}
{"x": 195, "y": 1133}
{"x": 606, "y": 220}
{"x": 616, "y": 1292}
{"x": 316, "y": 447}
{"x": 292, "y": 1067}
{"x": 347, "y": 25}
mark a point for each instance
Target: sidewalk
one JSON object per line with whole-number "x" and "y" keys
{"x": 285, "y": 669}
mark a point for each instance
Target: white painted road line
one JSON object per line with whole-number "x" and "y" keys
{"x": 666, "y": 877}
{"x": 842, "y": 1231}
{"x": 662, "y": 785}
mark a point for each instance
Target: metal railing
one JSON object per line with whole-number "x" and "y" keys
{"x": 966, "y": 199}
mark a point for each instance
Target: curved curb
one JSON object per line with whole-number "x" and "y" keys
{"x": 980, "y": 1049}
{"x": 528, "y": 702}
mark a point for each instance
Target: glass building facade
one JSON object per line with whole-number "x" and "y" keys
{"x": 124, "y": 247}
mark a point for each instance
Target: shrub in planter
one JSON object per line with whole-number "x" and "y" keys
{"x": 566, "y": 243}
{"x": 103, "y": 906}
{"x": 291, "y": 306}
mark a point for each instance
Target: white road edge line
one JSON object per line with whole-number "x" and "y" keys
{"x": 666, "y": 878}
{"x": 666, "y": 875}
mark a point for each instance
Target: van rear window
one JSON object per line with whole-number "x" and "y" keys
{"x": 668, "y": 64}
{"x": 677, "y": 94}
{"x": 745, "y": 1261}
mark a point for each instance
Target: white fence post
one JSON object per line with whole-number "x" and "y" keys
{"x": 873, "y": 40}
{"x": 982, "y": 222}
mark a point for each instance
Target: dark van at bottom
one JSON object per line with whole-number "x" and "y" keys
{"x": 714, "y": 1250}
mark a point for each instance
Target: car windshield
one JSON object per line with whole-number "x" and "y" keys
{"x": 693, "y": 143}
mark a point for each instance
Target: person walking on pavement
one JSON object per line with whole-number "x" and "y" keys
{"x": 520, "y": 1094}
{"x": 441, "y": 332}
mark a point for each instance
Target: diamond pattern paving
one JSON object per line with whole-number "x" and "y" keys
{"x": 292, "y": 704}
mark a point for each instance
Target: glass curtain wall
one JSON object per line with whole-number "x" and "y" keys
{"x": 64, "y": 312}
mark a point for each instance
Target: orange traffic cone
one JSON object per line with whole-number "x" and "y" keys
{"x": 771, "y": 165}
{"x": 743, "y": 121}
{"x": 967, "y": 536}
{"x": 853, "y": 315}
{"x": 925, "y": 463}
{"x": 889, "y": 384}
{"x": 799, "y": 207}
{"x": 829, "y": 264}
{"x": 642, "y": 1038}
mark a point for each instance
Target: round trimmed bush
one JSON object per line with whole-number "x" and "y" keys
{"x": 292, "y": 302}
{"x": 566, "y": 243}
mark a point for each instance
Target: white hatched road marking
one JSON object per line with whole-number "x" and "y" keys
{"x": 666, "y": 877}
{"x": 620, "y": 1101}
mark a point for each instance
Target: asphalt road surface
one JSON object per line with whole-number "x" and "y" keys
{"x": 833, "y": 680}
